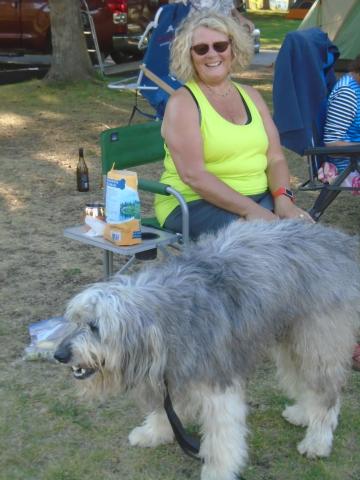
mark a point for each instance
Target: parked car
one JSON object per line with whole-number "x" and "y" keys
{"x": 299, "y": 9}
{"x": 119, "y": 24}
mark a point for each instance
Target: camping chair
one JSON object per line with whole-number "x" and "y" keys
{"x": 154, "y": 81}
{"x": 125, "y": 148}
{"x": 304, "y": 76}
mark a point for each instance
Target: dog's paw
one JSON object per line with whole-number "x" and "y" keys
{"x": 145, "y": 437}
{"x": 295, "y": 415}
{"x": 210, "y": 473}
{"x": 315, "y": 446}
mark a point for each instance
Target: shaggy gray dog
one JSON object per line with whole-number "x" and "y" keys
{"x": 202, "y": 320}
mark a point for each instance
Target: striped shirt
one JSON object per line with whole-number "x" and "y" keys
{"x": 343, "y": 116}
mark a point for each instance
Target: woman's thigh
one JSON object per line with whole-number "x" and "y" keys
{"x": 203, "y": 218}
{"x": 207, "y": 218}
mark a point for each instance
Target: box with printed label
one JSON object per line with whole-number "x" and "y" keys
{"x": 122, "y": 208}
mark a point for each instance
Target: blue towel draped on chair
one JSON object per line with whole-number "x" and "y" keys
{"x": 304, "y": 76}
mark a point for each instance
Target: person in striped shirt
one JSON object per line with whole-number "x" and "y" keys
{"x": 342, "y": 127}
{"x": 342, "y": 124}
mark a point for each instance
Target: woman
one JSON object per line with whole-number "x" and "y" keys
{"x": 342, "y": 124}
{"x": 342, "y": 128}
{"x": 226, "y": 7}
{"x": 222, "y": 148}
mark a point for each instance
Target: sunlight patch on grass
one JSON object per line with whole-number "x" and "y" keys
{"x": 48, "y": 115}
{"x": 13, "y": 120}
{"x": 11, "y": 197}
{"x": 50, "y": 99}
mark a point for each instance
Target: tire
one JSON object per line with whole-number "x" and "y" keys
{"x": 121, "y": 57}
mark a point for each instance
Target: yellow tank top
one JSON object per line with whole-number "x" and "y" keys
{"x": 236, "y": 154}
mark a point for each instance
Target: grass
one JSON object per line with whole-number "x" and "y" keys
{"x": 46, "y": 433}
{"x": 273, "y": 27}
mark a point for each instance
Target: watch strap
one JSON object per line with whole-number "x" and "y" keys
{"x": 284, "y": 191}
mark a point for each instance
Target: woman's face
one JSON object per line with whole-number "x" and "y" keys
{"x": 214, "y": 66}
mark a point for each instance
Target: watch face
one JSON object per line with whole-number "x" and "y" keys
{"x": 284, "y": 191}
{"x": 289, "y": 194}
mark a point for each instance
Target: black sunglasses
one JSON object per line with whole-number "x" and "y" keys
{"x": 203, "y": 48}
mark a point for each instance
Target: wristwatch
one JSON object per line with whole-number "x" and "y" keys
{"x": 284, "y": 191}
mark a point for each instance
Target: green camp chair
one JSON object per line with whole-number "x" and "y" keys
{"x": 124, "y": 148}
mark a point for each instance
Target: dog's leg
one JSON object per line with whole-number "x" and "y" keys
{"x": 223, "y": 422}
{"x": 322, "y": 423}
{"x": 292, "y": 384}
{"x": 156, "y": 430}
{"x": 322, "y": 352}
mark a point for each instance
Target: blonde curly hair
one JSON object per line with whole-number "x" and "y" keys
{"x": 181, "y": 64}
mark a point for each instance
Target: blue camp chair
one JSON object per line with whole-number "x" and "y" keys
{"x": 154, "y": 81}
{"x": 303, "y": 78}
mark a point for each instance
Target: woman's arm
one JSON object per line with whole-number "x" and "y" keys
{"x": 181, "y": 131}
{"x": 277, "y": 171}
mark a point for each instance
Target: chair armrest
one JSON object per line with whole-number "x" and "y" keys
{"x": 163, "y": 189}
{"x": 153, "y": 186}
{"x": 347, "y": 151}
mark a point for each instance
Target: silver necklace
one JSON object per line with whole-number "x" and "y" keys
{"x": 222, "y": 95}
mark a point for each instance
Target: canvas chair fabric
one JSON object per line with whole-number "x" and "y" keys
{"x": 157, "y": 57}
{"x": 155, "y": 70}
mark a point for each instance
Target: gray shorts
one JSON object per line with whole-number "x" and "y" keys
{"x": 206, "y": 218}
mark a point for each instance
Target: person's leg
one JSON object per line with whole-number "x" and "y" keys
{"x": 207, "y": 218}
{"x": 204, "y": 218}
{"x": 265, "y": 200}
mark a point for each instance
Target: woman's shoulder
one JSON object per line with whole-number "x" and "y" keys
{"x": 181, "y": 98}
{"x": 346, "y": 82}
{"x": 345, "y": 89}
{"x": 181, "y": 108}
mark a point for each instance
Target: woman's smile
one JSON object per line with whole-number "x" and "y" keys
{"x": 215, "y": 64}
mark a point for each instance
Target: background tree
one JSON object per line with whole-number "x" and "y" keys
{"x": 70, "y": 58}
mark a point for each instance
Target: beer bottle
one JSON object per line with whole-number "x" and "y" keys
{"x": 82, "y": 173}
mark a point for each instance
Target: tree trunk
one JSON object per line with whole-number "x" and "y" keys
{"x": 70, "y": 58}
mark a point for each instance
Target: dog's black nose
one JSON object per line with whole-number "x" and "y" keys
{"x": 63, "y": 353}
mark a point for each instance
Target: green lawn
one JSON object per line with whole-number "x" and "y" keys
{"x": 273, "y": 27}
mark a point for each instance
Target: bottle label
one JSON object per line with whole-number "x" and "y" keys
{"x": 84, "y": 181}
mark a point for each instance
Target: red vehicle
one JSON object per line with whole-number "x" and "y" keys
{"x": 299, "y": 10}
{"x": 119, "y": 24}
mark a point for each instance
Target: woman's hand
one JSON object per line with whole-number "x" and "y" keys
{"x": 256, "y": 212}
{"x": 285, "y": 208}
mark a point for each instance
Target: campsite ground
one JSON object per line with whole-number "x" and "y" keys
{"x": 46, "y": 433}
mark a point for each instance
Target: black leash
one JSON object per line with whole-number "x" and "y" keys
{"x": 189, "y": 444}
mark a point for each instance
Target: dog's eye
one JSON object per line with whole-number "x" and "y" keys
{"x": 94, "y": 328}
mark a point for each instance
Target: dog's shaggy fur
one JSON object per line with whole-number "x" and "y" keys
{"x": 201, "y": 321}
